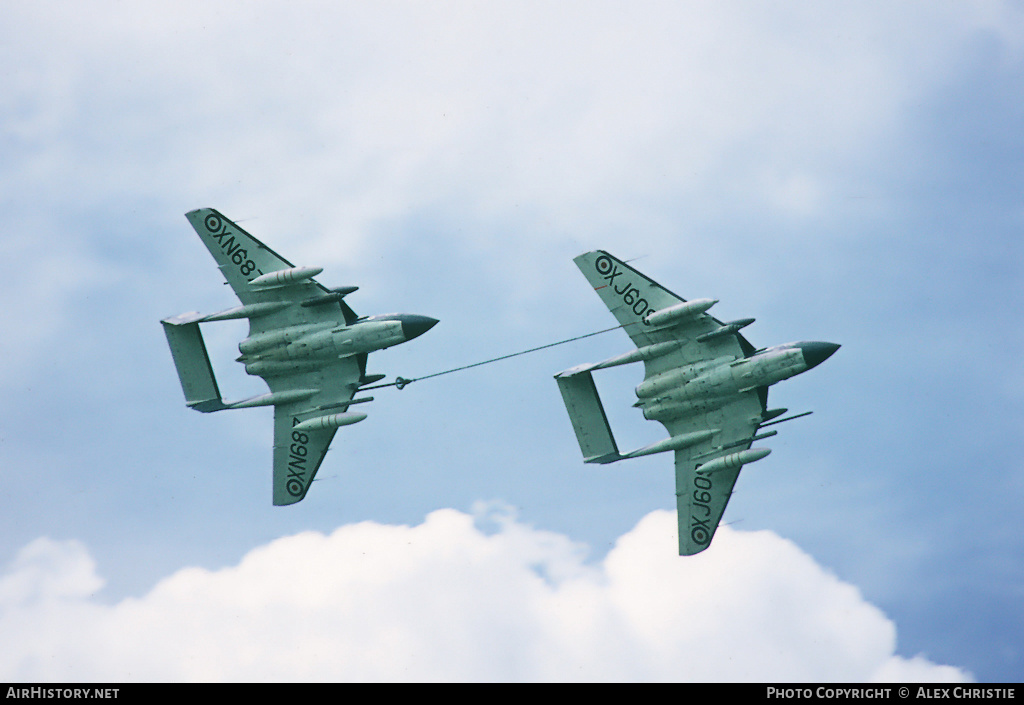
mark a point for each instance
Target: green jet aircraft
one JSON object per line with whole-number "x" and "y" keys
{"x": 304, "y": 341}
{"x": 704, "y": 381}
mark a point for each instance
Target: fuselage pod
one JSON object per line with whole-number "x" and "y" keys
{"x": 284, "y": 277}
{"x": 320, "y": 423}
{"x": 725, "y": 376}
{"x": 672, "y": 315}
{"x": 680, "y": 376}
{"x": 322, "y": 341}
{"x": 264, "y": 341}
{"x": 725, "y": 329}
{"x": 734, "y": 460}
{"x": 332, "y": 297}
{"x": 666, "y": 408}
{"x": 278, "y": 368}
{"x": 362, "y": 337}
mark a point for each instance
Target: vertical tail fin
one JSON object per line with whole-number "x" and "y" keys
{"x": 587, "y": 415}
{"x": 193, "y": 362}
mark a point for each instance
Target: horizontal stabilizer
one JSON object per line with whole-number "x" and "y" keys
{"x": 193, "y": 363}
{"x": 587, "y": 415}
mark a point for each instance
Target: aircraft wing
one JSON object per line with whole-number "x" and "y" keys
{"x": 298, "y": 453}
{"x": 242, "y": 258}
{"x": 701, "y": 497}
{"x": 632, "y": 297}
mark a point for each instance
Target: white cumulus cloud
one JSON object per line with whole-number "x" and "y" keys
{"x": 452, "y": 600}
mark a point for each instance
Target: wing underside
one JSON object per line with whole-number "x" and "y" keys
{"x": 299, "y": 453}
{"x": 701, "y": 495}
{"x": 632, "y": 297}
{"x": 701, "y": 499}
{"x": 242, "y": 258}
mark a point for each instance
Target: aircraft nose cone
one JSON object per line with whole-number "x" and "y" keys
{"x": 817, "y": 353}
{"x": 415, "y": 326}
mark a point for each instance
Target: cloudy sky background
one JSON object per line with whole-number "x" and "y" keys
{"x": 842, "y": 172}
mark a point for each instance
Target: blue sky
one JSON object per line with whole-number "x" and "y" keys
{"x": 842, "y": 172}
